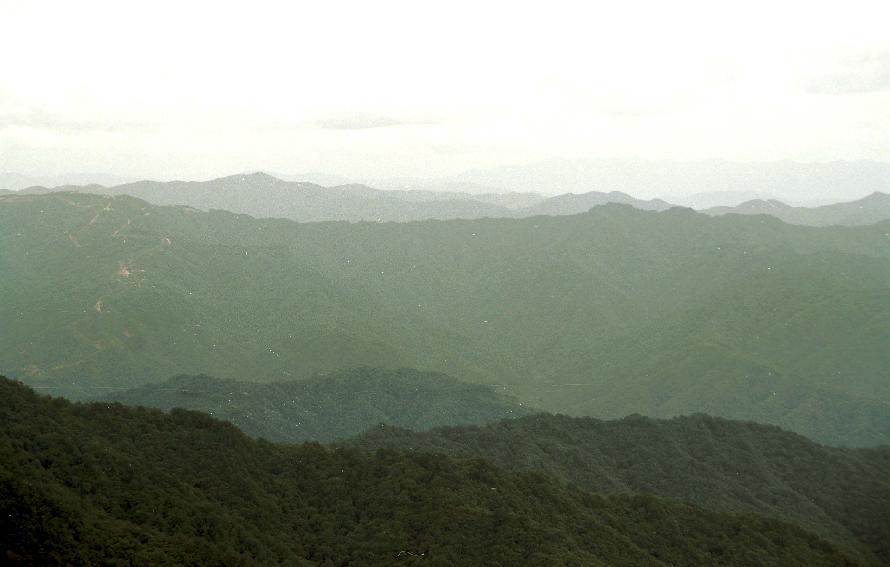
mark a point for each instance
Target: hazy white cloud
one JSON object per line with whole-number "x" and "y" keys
{"x": 198, "y": 89}
{"x": 359, "y": 121}
{"x": 42, "y": 119}
{"x": 863, "y": 72}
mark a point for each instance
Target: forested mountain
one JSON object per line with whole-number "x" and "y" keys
{"x": 868, "y": 210}
{"x": 332, "y": 406}
{"x": 264, "y": 196}
{"x": 606, "y": 313}
{"x": 107, "y": 484}
{"x": 730, "y": 466}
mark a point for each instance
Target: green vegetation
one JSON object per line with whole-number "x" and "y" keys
{"x": 108, "y": 484}
{"x": 841, "y": 494}
{"x": 606, "y": 313}
{"x": 329, "y": 407}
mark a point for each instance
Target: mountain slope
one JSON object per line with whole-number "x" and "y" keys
{"x": 609, "y": 312}
{"x": 98, "y": 484}
{"x": 842, "y": 494}
{"x": 329, "y": 407}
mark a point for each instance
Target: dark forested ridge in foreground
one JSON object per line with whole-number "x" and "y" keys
{"x": 841, "y": 494}
{"x": 606, "y": 313}
{"x": 731, "y": 466}
{"x": 329, "y": 407}
{"x": 104, "y": 483}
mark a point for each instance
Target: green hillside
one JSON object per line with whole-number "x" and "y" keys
{"x": 329, "y": 407}
{"x": 730, "y": 466}
{"x": 606, "y": 313}
{"x": 108, "y": 484}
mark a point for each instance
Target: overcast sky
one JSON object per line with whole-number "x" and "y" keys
{"x": 200, "y": 89}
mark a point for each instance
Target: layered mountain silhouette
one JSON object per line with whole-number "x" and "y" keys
{"x": 264, "y": 196}
{"x": 794, "y": 181}
{"x": 868, "y": 210}
{"x": 606, "y": 313}
{"x": 17, "y": 181}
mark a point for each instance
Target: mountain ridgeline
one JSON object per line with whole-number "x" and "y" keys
{"x": 843, "y": 495}
{"x": 264, "y": 196}
{"x": 108, "y": 484}
{"x": 730, "y": 466}
{"x": 868, "y": 210}
{"x": 329, "y": 407}
{"x": 606, "y": 313}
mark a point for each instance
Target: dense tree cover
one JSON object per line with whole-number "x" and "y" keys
{"x": 110, "y": 484}
{"x": 329, "y": 407}
{"x": 606, "y": 313}
{"x": 842, "y": 494}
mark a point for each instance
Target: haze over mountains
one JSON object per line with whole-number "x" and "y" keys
{"x": 847, "y": 193}
{"x": 605, "y": 313}
{"x": 868, "y": 210}
{"x": 363, "y": 284}
{"x": 17, "y": 181}
{"x": 592, "y": 304}
{"x": 329, "y": 407}
{"x": 263, "y": 196}
{"x": 314, "y": 330}
{"x": 687, "y": 182}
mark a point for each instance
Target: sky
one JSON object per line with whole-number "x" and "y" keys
{"x": 195, "y": 90}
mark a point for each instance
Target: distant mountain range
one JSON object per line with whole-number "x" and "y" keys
{"x": 17, "y": 181}
{"x": 263, "y": 196}
{"x": 604, "y": 313}
{"x": 329, "y": 407}
{"x": 868, "y": 210}
{"x": 698, "y": 184}
{"x": 798, "y": 182}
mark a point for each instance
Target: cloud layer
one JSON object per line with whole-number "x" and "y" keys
{"x": 397, "y": 88}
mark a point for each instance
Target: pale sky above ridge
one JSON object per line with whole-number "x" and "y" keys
{"x": 370, "y": 89}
